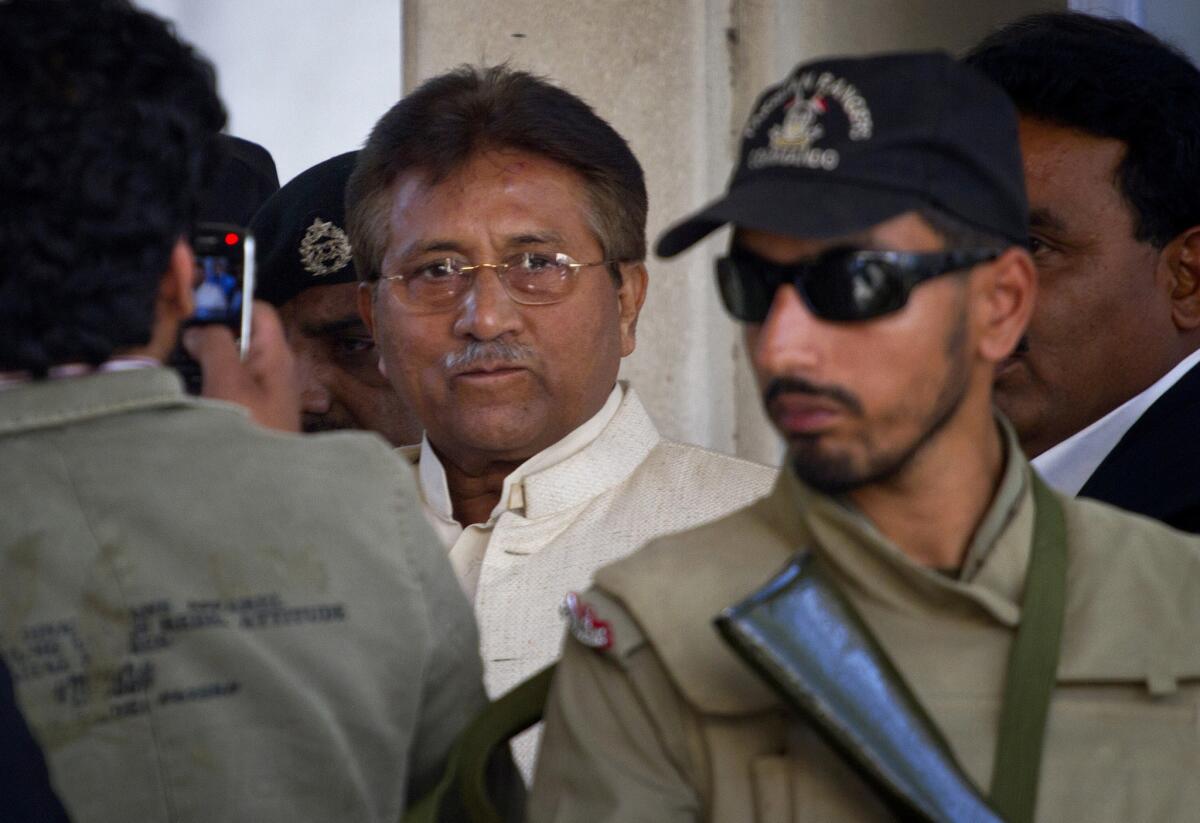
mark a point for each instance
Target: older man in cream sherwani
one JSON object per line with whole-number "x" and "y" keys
{"x": 499, "y": 225}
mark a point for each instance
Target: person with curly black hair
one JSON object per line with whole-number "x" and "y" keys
{"x": 101, "y": 170}
{"x": 196, "y": 627}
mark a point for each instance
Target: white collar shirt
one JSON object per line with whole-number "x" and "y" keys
{"x": 468, "y": 546}
{"x": 610, "y": 486}
{"x": 1068, "y": 465}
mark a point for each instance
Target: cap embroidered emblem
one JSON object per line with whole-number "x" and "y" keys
{"x": 800, "y": 127}
{"x": 805, "y": 100}
{"x": 583, "y": 623}
{"x": 324, "y": 249}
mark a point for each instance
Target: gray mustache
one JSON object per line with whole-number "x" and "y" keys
{"x": 487, "y": 352}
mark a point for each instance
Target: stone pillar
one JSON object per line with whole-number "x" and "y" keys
{"x": 677, "y": 78}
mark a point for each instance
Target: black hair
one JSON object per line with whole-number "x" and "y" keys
{"x": 452, "y": 117}
{"x": 1111, "y": 79}
{"x": 106, "y": 130}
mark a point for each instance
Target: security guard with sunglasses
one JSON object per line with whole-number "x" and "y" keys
{"x": 947, "y": 639}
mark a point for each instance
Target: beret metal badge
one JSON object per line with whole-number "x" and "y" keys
{"x": 583, "y": 623}
{"x": 324, "y": 249}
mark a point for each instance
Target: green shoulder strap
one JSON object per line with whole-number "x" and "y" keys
{"x": 771, "y": 629}
{"x": 1032, "y": 664}
{"x": 467, "y": 764}
{"x": 1032, "y": 667}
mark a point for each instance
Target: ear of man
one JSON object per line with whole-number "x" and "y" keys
{"x": 174, "y": 303}
{"x": 1004, "y": 293}
{"x": 1182, "y": 258}
{"x": 176, "y": 293}
{"x": 366, "y": 305}
{"x": 366, "y": 310}
{"x": 631, "y": 295}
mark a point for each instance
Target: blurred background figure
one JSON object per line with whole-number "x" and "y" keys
{"x": 245, "y": 178}
{"x": 1104, "y": 390}
{"x": 306, "y": 270}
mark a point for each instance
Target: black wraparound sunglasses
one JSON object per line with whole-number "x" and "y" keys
{"x": 843, "y": 284}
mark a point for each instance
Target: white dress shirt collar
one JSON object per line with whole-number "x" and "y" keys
{"x": 436, "y": 491}
{"x": 1068, "y": 465}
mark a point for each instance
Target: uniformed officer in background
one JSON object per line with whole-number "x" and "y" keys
{"x": 306, "y": 270}
{"x": 878, "y": 263}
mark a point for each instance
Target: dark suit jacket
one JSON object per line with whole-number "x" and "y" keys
{"x": 25, "y": 793}
{"x": 1155, "y": 468}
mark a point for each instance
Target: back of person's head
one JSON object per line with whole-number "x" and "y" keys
{"x": 106, "y": 127}
{"x": 1111, "y": 79}
{"x": 450, "y": 118}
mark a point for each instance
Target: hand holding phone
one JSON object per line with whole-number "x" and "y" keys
{"x": 224, "y": 278}
{"x": 222, "y": 290}
{"x": 264, "y": 381}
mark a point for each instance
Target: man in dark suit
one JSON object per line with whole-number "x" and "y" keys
{"x": 1105, "y": 389}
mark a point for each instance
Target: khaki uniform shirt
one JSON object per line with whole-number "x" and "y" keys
{"x": 559, "y": 523}
{"x": 207, "y": 621}
{"x": 669, "y": 725}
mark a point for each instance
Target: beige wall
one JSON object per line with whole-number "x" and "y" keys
{"x": 676, "y": 77}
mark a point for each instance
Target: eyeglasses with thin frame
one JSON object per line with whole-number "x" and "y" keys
{"x": 530, "y": 278}
{"x": 842, "y": 284}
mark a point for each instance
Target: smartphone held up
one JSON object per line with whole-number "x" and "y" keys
{"x": 223, "y": 289}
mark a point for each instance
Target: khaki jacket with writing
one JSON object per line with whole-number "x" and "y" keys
{"x": 207, "y": 621}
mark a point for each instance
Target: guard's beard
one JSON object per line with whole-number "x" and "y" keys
{"x": 838, "y": 473}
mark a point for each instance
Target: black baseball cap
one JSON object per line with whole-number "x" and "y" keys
{"x": 846, "y": 143}
{"x": 300, "y": 233}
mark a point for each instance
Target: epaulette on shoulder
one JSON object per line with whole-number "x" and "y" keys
{"x": 599, "y": 621}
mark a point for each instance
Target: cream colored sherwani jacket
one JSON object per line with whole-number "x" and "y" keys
{"x": 626, "y": 487}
